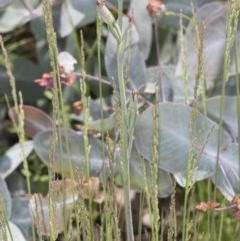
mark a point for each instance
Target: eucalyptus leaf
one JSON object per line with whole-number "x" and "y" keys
{"x": 178, "y": 7}
{"x": 214, "y": 44}
{"x": 15, "y": 233}
{"x": 21, "y": 215}
{"x": 138, "y": 9}
{"x": 25, "y": 72}
{"x": 16, "y": 182}
{"x": 140, "y": 168}
{"x": 86, "y": 8}
{"x": 141, "y": 174}
{"x": 175, "y": 88}
{"x": 133, "y": 59}
{"x": 177, "y": 145}
{"x": 230, "y": 87}
{"x": 35, "y": 120}
{"x": 38, "y": 28}
{"x": 229, "y": 115}
{"x": 14, "y": 157}
{"x": 65, "y": 197}
{"x": 3, "y": 110}
{"x": 70, "y": 154}
{"x": 16, "y": 14}
{"x": 182, "y": 91}
{"x": 3, "y": 3}
{"x": 106, "y": 124}
{"x": 95, "y": 111}
{"x": 69, "y": 18}
{"x": 6, "y": 197}
{"x": 227, "y": 176}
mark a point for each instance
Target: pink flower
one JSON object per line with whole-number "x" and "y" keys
{"x": 46, "y": 81}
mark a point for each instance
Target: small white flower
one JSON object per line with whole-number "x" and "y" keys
{"x": 66, "y": 61}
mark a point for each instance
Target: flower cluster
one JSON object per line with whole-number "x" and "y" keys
{"x": 66, "y": 66}
{"x": 234, "y": 206}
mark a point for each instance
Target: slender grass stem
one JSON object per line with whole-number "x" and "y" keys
{"x": 120, "y": 14}
{"x": 125, "y": 151}
{"x": 237, "y": 97}
{"x": 161, "y": 83}
{"x": 19, "y": 109}
{"x": 125, "y": 145}
{"x": 231, "y": 33}
{"x": 231, "y": 30}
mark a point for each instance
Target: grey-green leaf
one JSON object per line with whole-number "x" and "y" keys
{"x": 214, "y": 44}
{"x": 176, "y": 146}
{"x": 69, "y": 18}
{"x": 229, "y": 115}
{"x": 21, "y": 215}
{"x": 14, "y": 157}
{"x": 133, "y": 59}
{"x": 16, "y": 14}
{"x": 16, "y": 233}
{"x": 138, "y": 9}
{"x": 6, "y": 197}
{"x": 70, "y": 154}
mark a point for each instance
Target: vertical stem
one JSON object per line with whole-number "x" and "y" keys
{"x": 161, "y": 84}
{"x": 127, "y": 116}
{"x": 120, "y": 10}
{"x": 237, "y": 97}
{"x": 124, "y": 134}
{"x": 124, "y": 145}
{"x": 125, "y": 151}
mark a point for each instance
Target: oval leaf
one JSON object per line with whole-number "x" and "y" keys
{"x": 86, "y": 7}
{"x": 138, "y": 172}
{"x": 20, "y": 214}
{"x": 141, "y": 175}
{"x": 70, "y": 152}
{"x": 180, "y": 7}
{"x": 174, "y": 87}
{"x": 35, "y": 120}
{"x": 133, "y": 59}
{"x": 104, "y": 125}
{"x": 15, "y": 15}
{"x": 6, "y": 197}
{"x": 3, "y": 3}
{"x": 176, "y": 146}
{"x": 65, "y": 196}
{"x": 16, "y": 233}
{"x": 214, "y": 42}
{"x": 138, "y": 9}
{"x": 14, "y": 157}
{"x": 227, "y": 178}
{"x": 229, "y": 115}
{"x": 69, "y": 18}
